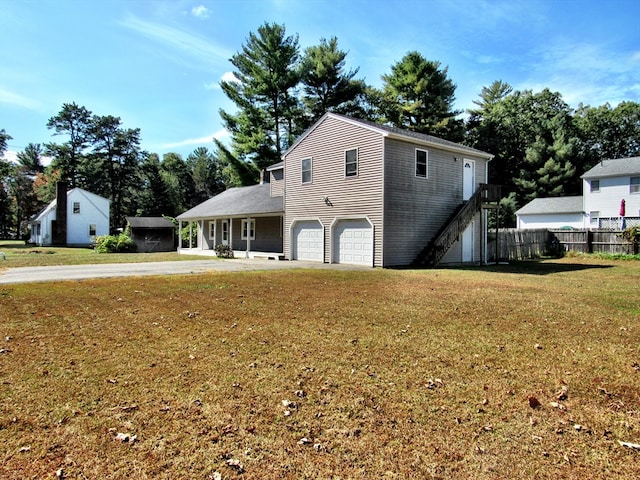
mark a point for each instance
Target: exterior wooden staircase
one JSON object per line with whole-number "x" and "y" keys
{"x": 486, "y": 196}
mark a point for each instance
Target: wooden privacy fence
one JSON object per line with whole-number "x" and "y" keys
{"x": 516, "y": 244}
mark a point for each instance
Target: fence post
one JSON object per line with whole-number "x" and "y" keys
{"x": 589, "y": 241}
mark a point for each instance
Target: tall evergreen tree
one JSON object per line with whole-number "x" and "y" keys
{"x": 73, "y": 121}
{"x": 327, "y": 86}
{"x": 154, "y": 197}
{"x": 206, "y": 175}
{"x": 266, "y": 76}
{"x": 418, "y": 95}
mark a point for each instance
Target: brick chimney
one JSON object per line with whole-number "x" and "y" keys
{"x": 59, "y": 225}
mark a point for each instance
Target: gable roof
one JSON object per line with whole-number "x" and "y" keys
{"x": 618, "y": 167}
{"x": 393, "y": 132}
{"x": 87, "y": 194}
{"x": 238, "y": 201}
{"x": 150, "y": 222}
{"x": 539, "y": 206}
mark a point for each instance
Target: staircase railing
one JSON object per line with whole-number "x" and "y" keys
{"x": 438, "y": 247}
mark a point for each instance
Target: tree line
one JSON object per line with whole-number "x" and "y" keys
{"x": 541, "y": 145}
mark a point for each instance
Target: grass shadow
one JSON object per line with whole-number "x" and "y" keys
{"x": 535, "y": 267}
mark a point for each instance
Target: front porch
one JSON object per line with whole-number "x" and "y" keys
{"x": 248, "y": 237}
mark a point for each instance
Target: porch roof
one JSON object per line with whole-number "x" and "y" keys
{"x": 239, "y": 201}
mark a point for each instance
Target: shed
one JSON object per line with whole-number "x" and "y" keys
{"x": 152, "y": 234}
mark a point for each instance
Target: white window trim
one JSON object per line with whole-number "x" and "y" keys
{"x": 634, "y": 188}
{"x": 302, "y": 170}
{"x": 357, "y": 162}
{"x": 212, "y": 231}
{"x": 252, "y": 229}
{"x": 73, "y": 208}
{"x": 426, "y": 165}
{"x": 592, "y": 190}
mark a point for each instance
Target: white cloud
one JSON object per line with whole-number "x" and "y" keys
{"x": 229, "y": 77}
{"x": 219, "y": 135}
{"x": 18, "y": 100}
{"x": 193, "y": 46}
{"x": 200, "y": 11}
{"x": 585, "y": 73}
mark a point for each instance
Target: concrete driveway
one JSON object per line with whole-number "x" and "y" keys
{"x": 80, "y": 272}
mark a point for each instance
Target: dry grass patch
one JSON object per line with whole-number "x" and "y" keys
{"x": 325, "y": 374}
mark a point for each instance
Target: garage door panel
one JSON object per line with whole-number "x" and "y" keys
{"x": 308, "y": 241}
{"x": 353, "y": 241}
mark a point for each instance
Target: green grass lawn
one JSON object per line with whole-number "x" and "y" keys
{"x": 524, "y": 371}
{"x": 20, "y": 255}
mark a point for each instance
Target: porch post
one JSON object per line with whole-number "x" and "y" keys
{"x": 246, "y": 254}
{"x": 231, "y": 233}
{"x": 179, "y": 235}
{"x": 201, "y": 239}
{"x": 190, "y": 235}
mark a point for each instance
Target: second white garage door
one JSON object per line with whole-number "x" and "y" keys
{"x": 308, "y": 241}
{"x": 353, "y": 242}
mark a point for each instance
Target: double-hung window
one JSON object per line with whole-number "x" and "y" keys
{"x": 76, "y": 207}
{"x": 307, "y": 172}
{"x": 249, "y": 229}
{"x": 422, "y": 163}
{"x": 351, "y": 163}
{"x": 595, "y": 186}
{"x": 634, "y": 185}
{"x": 92, "y": 230}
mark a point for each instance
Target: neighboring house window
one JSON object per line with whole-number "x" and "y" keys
{"x": 595, "y": 185}
{"x": 38, "y": 229}
{"x": 634, "y": 187}
{"x": 306, "y": 170}
{"x": 92, "y": 230}
{"x": 249, "y": 225}
{"x": 351, "y": 163}
{"x": 422, "y": 161}
{"x": 212, "y": 230}
{"x": 594, "y": 218}
{"x": 76, "y": 207}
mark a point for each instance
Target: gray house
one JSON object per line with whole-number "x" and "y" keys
{"x": 351, "y": 191}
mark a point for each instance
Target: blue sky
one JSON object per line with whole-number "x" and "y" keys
{"x": 157, "y": 64}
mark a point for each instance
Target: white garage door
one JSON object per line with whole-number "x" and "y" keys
{"x": 353, "y": 240}
{"x": 308, "y": 241}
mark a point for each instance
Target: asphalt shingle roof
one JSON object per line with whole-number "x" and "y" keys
{"x": 618, "y": 167}
{"x": 552, "y": 205}
{"x": 238, "y": 201}
{"x": 150, "y": 222}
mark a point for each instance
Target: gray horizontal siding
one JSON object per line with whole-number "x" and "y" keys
{"x": 359, "y": 196}
{"x": 416, "y": 208}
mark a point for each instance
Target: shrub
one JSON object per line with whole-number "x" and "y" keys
{"x": 121, "y": 243}
{"x": 224, "y": 251}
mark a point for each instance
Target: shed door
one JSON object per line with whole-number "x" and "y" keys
{"x": 308, "y": 241}
{"x": 353, "y": 242}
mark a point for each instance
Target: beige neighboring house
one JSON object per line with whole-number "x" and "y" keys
{"x": 351, "y": 191}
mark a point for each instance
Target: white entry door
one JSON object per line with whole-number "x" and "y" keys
{"x": 308, "y": 241}
{"x": 225, "y": 232}
{"x": 467, "y": 243}
{"x": 468, "y": 178}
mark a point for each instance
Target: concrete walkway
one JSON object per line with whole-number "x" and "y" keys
{"x": 80, "y": 272}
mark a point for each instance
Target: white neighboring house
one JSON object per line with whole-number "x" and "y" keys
{"x": 553, "y": 212}
{"x": 87, "y": 216}
{"x": 606, "y": 188}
